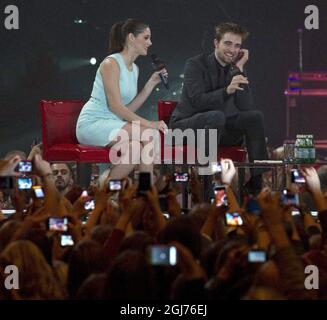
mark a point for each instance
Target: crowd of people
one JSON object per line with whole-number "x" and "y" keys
{"x": 122, "y": 248}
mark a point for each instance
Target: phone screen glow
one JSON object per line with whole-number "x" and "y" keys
{"x": 172, "y": 256}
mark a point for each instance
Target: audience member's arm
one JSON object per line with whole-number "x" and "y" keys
{"x": 37, "y": 149}
{"x": 190, "y": 283}
{"x": 195, "y": 187}
{"x": 18, "y": 200}
{"x": 228, "y": 172}
{"x": 287, "y": 213}
{"x": 101, "y": 199}
{"x": 174, "y": 207}
{"x": 308, "y": 219}
{"x": 38, "y": 217}
{"x": 290, "y": 266}
{"x": 313, "y": 186}
{"x": 153, "y": 200}
{"x": 263, "y": 236}
{"x": 113, "y": 242}
{"x": 52, "y": 196}
{"x": 215, "y": 215}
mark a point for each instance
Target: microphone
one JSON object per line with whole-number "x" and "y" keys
{"x": 158, "y": 65}
{"x": 235, "y": 71}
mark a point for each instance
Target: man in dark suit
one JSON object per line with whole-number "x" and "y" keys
{"x": 216, "y": 95}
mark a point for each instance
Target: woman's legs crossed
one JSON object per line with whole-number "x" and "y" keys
{"x": 135, "y": 147}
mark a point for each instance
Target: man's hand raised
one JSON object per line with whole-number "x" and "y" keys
{"x": 241, "y": 63}
{"x": 236, "y": 83}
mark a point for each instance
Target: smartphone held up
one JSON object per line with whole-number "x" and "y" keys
{"x": 221, "y": 196}
{"x": 144, "y": 182}
{"x": 162, "y": 255}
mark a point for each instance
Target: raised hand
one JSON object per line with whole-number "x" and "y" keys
{"x": 78, "y": 206}
{"x": 195, "y": 186}
{"x": 270, "y": 206}
{"x": 188, "y": 264}
{"x": 153, "y": 199}
{"x": 126, "y": 196}
{"x": 313, "y": 186}
{"x": 36, "y": 149}
{"x": 7, "y": 167}
{"x": 312, "y": 179}
{"x": 174, "y": 207}
{"x": 155, "y": 77}
{"x": 236, "y": 260}
{"x": 41, "y": 167}
{"x": 228, "y": 171}
{"x": 245, "y": 58}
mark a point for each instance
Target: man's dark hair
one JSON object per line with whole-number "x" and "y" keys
{"x": 69, "y": 167}
{"x": 226, "y": 27}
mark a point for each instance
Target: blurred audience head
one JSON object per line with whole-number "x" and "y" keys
{"x": 36, "y": 278}
{"x": 87, "y": 257}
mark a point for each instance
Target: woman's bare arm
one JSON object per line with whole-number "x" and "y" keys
{"x": 110, "y": 73}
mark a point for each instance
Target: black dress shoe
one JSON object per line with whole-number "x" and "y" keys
{"x": 254, "y": 185}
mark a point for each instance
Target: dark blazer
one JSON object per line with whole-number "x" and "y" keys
{"x": 203, "y": 90}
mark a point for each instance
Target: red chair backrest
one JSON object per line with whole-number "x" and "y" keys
{"x": 59, "y": 121}
{"x": 165, "y": 109}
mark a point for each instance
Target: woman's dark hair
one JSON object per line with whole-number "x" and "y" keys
{"x": 131, "y": 278}
{"x": 137, "y": 241}
{"x": 184, "y": 230}
{"x": 120, "y": 30}
{"x": 85, "y": 259}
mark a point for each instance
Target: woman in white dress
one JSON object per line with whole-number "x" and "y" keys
{"x": 109, "y": 118}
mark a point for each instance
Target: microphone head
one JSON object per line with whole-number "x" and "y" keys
{"x": 158, "y": 65}
{"x": 156, "y": 62}
{"x": 154, "y": 57}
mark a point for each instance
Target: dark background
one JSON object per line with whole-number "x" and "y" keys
{"x": 47, "y": 58}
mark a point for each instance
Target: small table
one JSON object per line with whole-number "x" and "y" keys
{"x": 270, "y": 165}
{"x": 273, "y": 166}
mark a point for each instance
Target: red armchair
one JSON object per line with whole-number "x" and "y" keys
{"x": 165, "y": 109}
{"x": 59, "y": 140}
{"x": 58, "y": 134}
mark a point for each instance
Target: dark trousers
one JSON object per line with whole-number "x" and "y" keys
{"x": 232, "y": 131}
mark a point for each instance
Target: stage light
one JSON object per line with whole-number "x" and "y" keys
{"x": 93, "y": 61}
{"x": 79, "y": 21}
